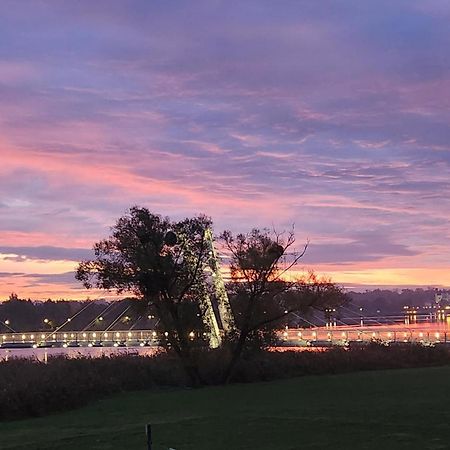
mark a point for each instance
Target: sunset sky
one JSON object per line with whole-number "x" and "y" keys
{"x": 333, "y": 115}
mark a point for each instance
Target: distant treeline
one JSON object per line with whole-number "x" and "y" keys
{"x": 385, "y": 301}
{"x": 22, "y": 315}
{"x": 27, "y": 315}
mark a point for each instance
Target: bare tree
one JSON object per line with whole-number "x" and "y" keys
{"x": 263, "y": 294}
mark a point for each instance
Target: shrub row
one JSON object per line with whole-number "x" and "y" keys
{"x": 32, "y": 388}
{"x": 275, "y": 365}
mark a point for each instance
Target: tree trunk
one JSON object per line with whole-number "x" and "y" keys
{"x": 183, "y": 350}
{"x": 179, "y": 341}
{"x": 191, "y": 370}
{"x": 236, "y": 356}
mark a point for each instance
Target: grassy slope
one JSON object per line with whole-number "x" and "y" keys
{"x": 402, "y": 409}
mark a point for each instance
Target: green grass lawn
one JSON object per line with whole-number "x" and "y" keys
{"x": 401, "y": 409}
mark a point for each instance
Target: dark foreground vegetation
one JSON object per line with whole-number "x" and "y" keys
{"x": 389, "y": 410}
{"x": 32, "y": 388}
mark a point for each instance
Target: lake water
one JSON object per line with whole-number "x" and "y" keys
{"x": 43, "y": 354}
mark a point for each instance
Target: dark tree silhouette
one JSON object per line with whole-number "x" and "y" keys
{"x": 262, "y": 296}
{"x": 160, "y": 262}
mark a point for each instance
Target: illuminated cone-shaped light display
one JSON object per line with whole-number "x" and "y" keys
{"x": 217, "y": 313}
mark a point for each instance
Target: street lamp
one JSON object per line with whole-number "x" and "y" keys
{"x": 48, "y": 323}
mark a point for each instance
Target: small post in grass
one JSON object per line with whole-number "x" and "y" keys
{"x": 148, "y": 431}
